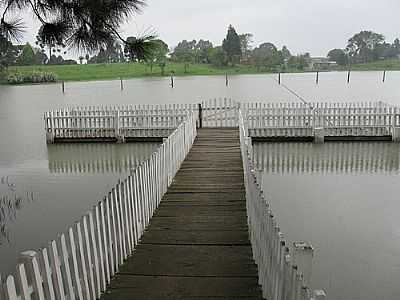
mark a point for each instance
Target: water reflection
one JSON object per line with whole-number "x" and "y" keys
{"x": 347, "y": 158}
{"x": 11, "y": 201}
{"x": 97, "y": 158}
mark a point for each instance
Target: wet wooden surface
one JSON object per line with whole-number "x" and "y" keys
{"x": 197, "y": 245}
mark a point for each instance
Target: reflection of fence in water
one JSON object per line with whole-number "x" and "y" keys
{"x": 98, "y": 158}
{"x": 327, "y": 158}
{"x": 11, "y": 201}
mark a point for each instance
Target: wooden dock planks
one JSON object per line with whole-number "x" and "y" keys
{"x": 197, "y": 245}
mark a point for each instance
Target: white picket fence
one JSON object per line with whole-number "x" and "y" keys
{"x": 336, "y": 119}
{"x": 81, "y": 262}
{"x": 118, "y": 123}
{"x": 281, "y": 276}
{"x": 134, "y": 121}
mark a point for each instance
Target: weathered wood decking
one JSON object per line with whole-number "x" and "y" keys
{"x": 197, "y": 245}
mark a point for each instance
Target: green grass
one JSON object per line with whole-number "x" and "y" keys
{"x": 380, "y": 65}
{"x": 128, "y": 70}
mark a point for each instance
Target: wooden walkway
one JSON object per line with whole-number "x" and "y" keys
{"x": 197, "y": 244}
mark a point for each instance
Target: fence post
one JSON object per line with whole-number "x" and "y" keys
{"x": 50, "y": 131}
{"x": 29, "y": 259}
{"x": 200, "y": 116}
{"x": 118, "y": 134}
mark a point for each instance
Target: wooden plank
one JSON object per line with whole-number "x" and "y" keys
{"x": 198, "y": 234}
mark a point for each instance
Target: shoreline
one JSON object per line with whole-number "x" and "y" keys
{"x": 79, "y": 73}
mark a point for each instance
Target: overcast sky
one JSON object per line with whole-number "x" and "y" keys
{"x": 314, "y": 26}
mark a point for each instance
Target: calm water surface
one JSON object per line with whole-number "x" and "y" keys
{"x": 344, "y": 199}
{"x": 43, "y": 189}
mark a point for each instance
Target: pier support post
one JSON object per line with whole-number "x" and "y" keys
{"x": 303, "y": 254}
{"x": 49, "y": 137}
{"x": 319, "y": 135}
{"x": 396, "y": 135}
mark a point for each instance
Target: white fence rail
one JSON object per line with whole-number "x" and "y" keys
{"x": 373, "y": 119}
{"x": 281, "y": 276}
{"x": 116, "y": 123}
{"x": 81, "y": 262}
{"x": 335, "y": 119}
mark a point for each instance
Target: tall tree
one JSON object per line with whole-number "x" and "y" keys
{"x": 231, "y": 45}
{"x": 362, "y": 45}
{"x": 85, "y": 24}
{"x": 27, "y": 57}
{"x": 246, "y": 40}
{"x": 267, "y": 55}
{"x": 218, "y": 56}
{"x": 285, "y": 52}
{"x": 8, "y": 54}
{"x": 160, "y": 55}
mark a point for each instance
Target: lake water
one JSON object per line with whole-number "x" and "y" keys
{"x": 344, "y": 199}
{"x": 43, "y": 189}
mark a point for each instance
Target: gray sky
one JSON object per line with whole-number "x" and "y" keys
{"x": 314, "y": 26}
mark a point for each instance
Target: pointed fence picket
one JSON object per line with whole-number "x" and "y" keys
{"x": 280, "y": 274}
{"x": 80, "y": 263}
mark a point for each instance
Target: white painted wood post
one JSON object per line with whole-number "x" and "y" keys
{"x": 30, "y": 260}
{"x": 319, "y": 135}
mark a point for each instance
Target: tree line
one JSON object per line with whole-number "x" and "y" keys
{"x": 365, "y": 47}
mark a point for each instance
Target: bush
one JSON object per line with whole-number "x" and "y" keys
{"x": 35, "y": 77}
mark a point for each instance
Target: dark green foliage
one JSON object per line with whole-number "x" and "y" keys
{"x": 362, "y": 46}
{"x": 339, "y": 56}
{"x": 268, "y": 57}
{"x": 86, "y": 24}
{"x": 218, "y": 57}
{"x": 232, "y": 45}
{"x": 35, "y": 77}
{"x": 27, "y": 57}
{"x": 140, "y": 48}
{"x": 8, "y": 54}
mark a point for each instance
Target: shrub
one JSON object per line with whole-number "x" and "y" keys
{"x": 35, "y": 77}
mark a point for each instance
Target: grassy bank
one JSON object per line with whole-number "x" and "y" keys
{"x": 380, "y": 65}
{"x": 126, "y": 70}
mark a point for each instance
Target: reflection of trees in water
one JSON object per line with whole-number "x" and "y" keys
{"x": 351, "y": 158}
{"x": 98, "y": 158}
{"x": 11, "y": 201}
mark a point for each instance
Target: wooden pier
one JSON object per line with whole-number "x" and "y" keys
{"x": 190, "y": 222}
{"x": 197, "y": 244}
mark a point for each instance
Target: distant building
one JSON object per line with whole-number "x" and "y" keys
{"x": 321, "y": 63}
